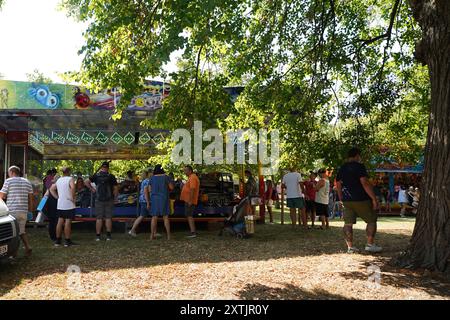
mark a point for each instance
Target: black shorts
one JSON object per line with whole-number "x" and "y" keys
{"x": 321, "y": 209}
{"x": 189, "y": 210}
{"x": 66, "y": 214}
{"x": 310, "y": 206}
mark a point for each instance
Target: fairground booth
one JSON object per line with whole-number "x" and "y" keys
{"x": 63, "y": 122}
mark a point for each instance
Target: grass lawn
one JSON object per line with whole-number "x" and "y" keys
{"x": 278, "y": 262}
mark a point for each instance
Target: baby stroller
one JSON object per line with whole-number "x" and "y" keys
{"x": 235, "y": 223}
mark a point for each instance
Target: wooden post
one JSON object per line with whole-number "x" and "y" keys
{"x": 241, "y": 182}
{"x": 262, "y": 189}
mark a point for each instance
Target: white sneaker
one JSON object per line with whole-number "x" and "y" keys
{"x": 352, "y": 250}
{"x": 132, "y": 233}
{"x": 373, "y": 248}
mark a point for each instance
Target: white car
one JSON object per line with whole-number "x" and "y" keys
{"x": 9, "y": 235}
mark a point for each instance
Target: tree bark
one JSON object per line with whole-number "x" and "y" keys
{"x": 430, "y": 243}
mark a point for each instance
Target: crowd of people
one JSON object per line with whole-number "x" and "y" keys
{"x": 61, "y": 193}
{"x": 315, "y": 197}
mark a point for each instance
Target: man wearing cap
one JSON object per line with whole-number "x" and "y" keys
{"x": 106, "y": 193}
{"x": 64, "y": 191}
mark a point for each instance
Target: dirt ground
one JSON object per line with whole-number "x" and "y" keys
{"x": 278, "y": 262}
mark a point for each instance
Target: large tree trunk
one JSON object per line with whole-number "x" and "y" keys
{"x": 430, "y": 244}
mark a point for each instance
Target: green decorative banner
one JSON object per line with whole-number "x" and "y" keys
{"x": 158, "y": 138}
{"x": 116, "y": 138}
{"x": 87, "y": 138}
{"x": 35, "y": 143}
{"x": 58, "y": 138}
{"x": 43, "y": 137}
{"x": 73, "y": 138}
{"x": 128, "y": 138}
{"x": 102, "y": 138}
{"x": 144, "y": 138}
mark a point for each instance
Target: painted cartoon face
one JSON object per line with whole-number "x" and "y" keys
{"x": 140, "y": 102}
{"x": 44, "y": 96}
{"x": 82, "y": 100}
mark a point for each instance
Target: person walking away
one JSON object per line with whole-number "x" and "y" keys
{"x": 403, "y": 201}
{"x": 144, "y": 202}
{"x": 106, "y": 194}
{"x": 357, "y": 196}
{"x": 322, "y": 198}
{"x": 270, "y": 197}
{"x": 18, "y": 192}
{"x": 51, "y": 212}
{"x": 64, "y": 190}
{"x": 189, "y": 194}
{"x": 292, "y": 183}
{"x": 310, "y": 196}
{"x": 250, "y": 189}
{"x": 159, "y": 187}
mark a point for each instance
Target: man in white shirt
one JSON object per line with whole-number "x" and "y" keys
{"x": 64, "y": 191}
{"x": 292, "y": 184}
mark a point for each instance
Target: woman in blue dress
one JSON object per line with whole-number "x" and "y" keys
{"x": 159, "y": 187}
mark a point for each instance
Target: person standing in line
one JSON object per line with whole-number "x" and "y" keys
{"x": 387, "y": 198}
{"x": 270, "y": 197}
{"x": 159, "y": 187}
{"x": 310, "y": 196}
{"x": 64, "y": 190}
{"x": 322, "y": 198}
{"x": 292, "y": 183}
{"x": 51, "y": 212}
{"x": 144, "y": 202}
{"x": 356, "y": 194}
{"x": 106, "y": 193}
{"x": 18, "y": 192}
{"x": 402, "y": 200}
{"x": 189, "y": 194}
{"x": 250, "y": 189}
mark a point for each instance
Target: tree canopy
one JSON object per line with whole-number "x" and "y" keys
{"x": 328, "y": 74}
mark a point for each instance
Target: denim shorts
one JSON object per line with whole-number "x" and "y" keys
{"x": 143, "y": 211}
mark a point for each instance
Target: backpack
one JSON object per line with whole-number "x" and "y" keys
{"x": 104, "y": 187}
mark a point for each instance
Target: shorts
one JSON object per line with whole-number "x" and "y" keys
{"x": 321, "y": 209}
{"x": 66, "y": 214}
{"x": 269, "y": 203}
{"x": 297, "y": 203}
{"x": 361, "y": 209}
{"x": 104, "y": 209}
{"x": 143, "y": 211}
{"x": 310, "y": 206}
{"x": 189, "y": 210}
{"x": 21, "y": 218}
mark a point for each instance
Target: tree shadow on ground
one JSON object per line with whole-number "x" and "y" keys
{"x": 287, "y": 292}
{"x": 437, "y": 284}
{"x": 269, "y": 242}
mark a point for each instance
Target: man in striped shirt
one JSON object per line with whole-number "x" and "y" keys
{"x": 19, "y": 198}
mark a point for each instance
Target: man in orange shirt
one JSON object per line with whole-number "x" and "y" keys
{"x": 189, "y": 194}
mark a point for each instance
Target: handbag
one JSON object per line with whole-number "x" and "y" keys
{"x": 42, "y": 203}
{"x": 39, "y": 218}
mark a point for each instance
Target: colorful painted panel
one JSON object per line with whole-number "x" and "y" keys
{"x": 27, "y": 95}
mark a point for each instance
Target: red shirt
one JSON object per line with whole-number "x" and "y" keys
{"x": 310, "y": 190}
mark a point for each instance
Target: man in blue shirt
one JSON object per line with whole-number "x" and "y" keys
{"x": 359, "y": 200}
